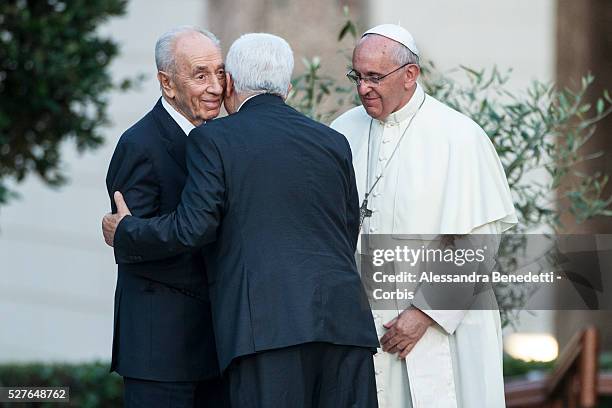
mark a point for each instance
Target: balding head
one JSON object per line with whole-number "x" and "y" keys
{"x": 166, "y": 44}
{"x": 398, "y": 53}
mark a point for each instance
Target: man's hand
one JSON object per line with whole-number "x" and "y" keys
{"x": 110, "y": 221}
{"x": 405, "y": 331}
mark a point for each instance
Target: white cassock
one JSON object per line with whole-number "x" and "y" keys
{"x": 445, "y": 178}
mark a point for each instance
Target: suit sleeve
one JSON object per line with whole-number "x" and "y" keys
{"x": 352, "y": 210}
{"x": 132, "y": 173}
{"x": 194, "y": 222}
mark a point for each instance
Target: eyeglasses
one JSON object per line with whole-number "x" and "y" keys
{"x": 371, "y": 80}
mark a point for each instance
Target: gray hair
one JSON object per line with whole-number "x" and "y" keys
{"x": 401, "y": 54}
{"x": 164, "y": 47}
{"x": 260, "y": 62}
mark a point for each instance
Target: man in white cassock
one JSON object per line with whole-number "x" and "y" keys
{"x": 425, "y": 168}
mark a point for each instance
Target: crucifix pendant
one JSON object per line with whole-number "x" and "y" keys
{"x": 364, "y": 212}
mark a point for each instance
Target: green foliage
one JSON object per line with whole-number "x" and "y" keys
{"x": 90, "y": 384}
{"x": 514, "y": 367}
{"x": 54, "y": 83}
{"x": 311, "y": 88}
{"x": 349, "y": 26}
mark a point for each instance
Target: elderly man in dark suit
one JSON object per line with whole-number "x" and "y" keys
{"x": 273, "y": 193}
{"x": 163, "y": 343}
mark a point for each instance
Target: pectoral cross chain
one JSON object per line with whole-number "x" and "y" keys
{"x": 364, "y": 212}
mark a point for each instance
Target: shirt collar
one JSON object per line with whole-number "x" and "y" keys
{"x": 250, "y": 97}
{"x": 408, "y": 110}
{"x": 182, "y": 121}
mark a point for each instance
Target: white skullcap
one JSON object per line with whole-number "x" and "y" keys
{"x": 396, "y": 33}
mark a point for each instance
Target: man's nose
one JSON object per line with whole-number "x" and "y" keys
{"x": 363, "y": 88}
{"x": 216, "y": 86}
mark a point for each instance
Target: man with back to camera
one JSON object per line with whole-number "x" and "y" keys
{"x": 274, "y": 192}
{"x": 163, "y": 342}
{"x": 423, "y": 168}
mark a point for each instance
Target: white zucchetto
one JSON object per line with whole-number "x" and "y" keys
{"x": 396, "y": 33}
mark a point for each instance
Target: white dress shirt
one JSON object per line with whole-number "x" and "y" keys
{"x": 181, "y": 120}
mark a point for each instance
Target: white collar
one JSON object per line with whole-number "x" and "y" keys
{"x": 250, "y": 97}
{"x": 409, "y": 109}
{"x": 182, "y": 121}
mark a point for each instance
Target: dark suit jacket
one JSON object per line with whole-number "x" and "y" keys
{"x": 275, "y": 192}
{"x": 163, "y": 324}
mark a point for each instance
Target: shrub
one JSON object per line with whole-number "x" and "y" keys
{"x": 54, "y": 84}
{"x": 90, "y": 384}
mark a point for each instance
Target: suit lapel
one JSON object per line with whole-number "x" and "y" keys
{"x": 172, "y": 135}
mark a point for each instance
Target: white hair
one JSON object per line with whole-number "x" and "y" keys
{"x": 260, "y": 62}
{"x": 401, "y": 54}
{"x": 165, "y": 58}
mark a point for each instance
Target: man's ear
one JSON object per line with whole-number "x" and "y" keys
{"x": 412, "y": 73}
{"x": 229, "y": 85}
{"x": 289, "y": 88}
{"x": 166, "y": 84}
